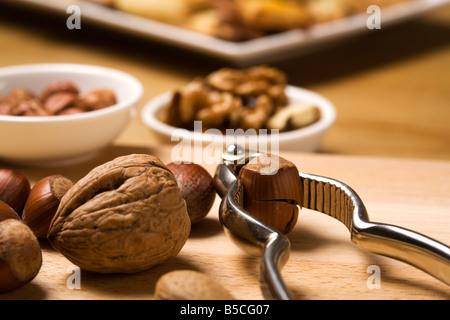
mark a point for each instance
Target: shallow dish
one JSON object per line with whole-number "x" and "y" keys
{"x": 306, "y": 139}
{"x": 57, "y": 140}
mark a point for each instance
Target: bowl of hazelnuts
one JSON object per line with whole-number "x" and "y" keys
{"x": 52, "y": 114}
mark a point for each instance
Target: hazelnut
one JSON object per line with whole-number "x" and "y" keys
{"x": 197, "y": 188}
{"x": 98, "y": 99}
{"x": 29, "y": 107}
{"x": 59, "y": 97}
{"x": 14, "y": 189}
{"x": 60, "y": 101}
{"x": 20, "y": 255}
{"x": 273, "y": 191}
{"x": 58, "y": 87}
{"x": 43, "y": 202}
{"x": 6, "y": 212}
{"x": 19, "y": 94}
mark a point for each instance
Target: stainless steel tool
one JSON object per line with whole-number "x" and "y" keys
{"x": 324, "y": 195}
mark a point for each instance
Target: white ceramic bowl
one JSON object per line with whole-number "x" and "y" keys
{"x": 307, "y": 139}
{"x": 56, "y": 140}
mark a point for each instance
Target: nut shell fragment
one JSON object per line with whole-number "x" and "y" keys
{"x": 124, "y": 216}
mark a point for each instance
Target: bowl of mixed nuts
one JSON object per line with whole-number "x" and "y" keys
{"x": 255, "y": 107}
{"x": 60, "y": 113}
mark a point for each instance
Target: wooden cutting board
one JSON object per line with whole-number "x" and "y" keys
{"x": 324, "y": 263}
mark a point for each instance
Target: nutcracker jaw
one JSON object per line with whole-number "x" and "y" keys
{"x": 247, "y": 232}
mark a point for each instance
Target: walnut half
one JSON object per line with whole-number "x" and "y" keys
{"x": 124, "y": 216}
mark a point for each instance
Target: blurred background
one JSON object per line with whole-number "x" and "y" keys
{"x": 390, "y": 86}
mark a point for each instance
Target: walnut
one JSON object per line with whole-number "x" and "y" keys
{"x": 228, "y": 99}
{"x": 225, "y": 79}
{"x": 221, "y": 106}
{"x": 232, "y": 99}
{"x": 255, "y": 117}
{"x": 124, "y": 216}
{"x": 194, "y": 97}
{"x": 247, "y": 82}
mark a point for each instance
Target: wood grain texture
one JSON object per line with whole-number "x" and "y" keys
{"x": 324, "y": 263}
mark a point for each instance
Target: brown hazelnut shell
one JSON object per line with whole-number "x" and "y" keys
{"x": 272, "y": 191}
{"x": 98, "y": 99}
{"x": 197, "y": 188}
{"x": 57, "y": 87}
{"x": 20, "y": 255}
{"x": 43, "y": 202}
{"x": 14, "y": 189}
{"x": 6, "y": 212}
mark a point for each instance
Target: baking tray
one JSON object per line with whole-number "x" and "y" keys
{"x": 262, "y": 50}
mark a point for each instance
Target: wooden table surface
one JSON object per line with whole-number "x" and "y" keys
{"x": 323, "y": 265}
{"x": 391, "y": 91}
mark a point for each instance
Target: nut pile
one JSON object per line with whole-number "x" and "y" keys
{"x": 57, "y": 98}
{"x": 124, "y": 216}
{"x": 252, "y": 98}
{"x": 20, "y": 251}
{"x": 130, "y": 214}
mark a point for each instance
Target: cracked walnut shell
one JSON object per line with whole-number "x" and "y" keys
{"x": 124, "y": 216}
